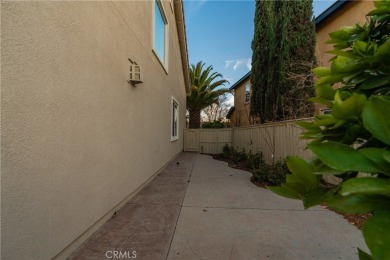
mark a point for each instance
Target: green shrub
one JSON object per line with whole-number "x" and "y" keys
{"x": 226, "y": 151}
{"x": 239, "y": 156}
{"x": 262, "y": 174}
{"x": 215, "y": 124}
{"x": 355, "y": 136}
{"x": 272, "y": 175}
{"x": 254, "y": 161}
{"x": 280, "y": 170}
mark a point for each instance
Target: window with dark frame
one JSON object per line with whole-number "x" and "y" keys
{"x": 247, "y": 92}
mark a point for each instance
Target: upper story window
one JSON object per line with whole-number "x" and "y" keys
{"x": 247, "y": 92}
{"x": 160, "y": 32}
{"x": 175, "y": 120}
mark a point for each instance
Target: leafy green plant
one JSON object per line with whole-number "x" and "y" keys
{"x": 355, "y": 137}
{"x": 281, "y": 170}
{"x": 279, "y": 173}
{"x": 254, "y": 161}
{"x": 261, "y": 174}
{"x": 226, "y": 151}
{"x": 239, "y": 156}
{"x": 271, "y": 174}
{"x": 215, "y": 124}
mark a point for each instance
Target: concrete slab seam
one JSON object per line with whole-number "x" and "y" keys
{"x": 208, "y": 207}
{"x": 181, "y": 207}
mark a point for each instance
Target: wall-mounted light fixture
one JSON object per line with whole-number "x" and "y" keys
{"x": 135, "y": 73}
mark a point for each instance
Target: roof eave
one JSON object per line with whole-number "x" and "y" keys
{"x": 181, "y": 30}
{"x": 330, "y": 10}
{"x": 245, "y": 77}
{"x": 230, "y": 112}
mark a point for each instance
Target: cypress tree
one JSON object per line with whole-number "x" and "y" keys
{"x": 283, "y": 55}
{"x": 263, "y": 48}
{"x": 300, "y": 48}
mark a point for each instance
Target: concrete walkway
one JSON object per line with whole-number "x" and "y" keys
{"x": 202, "y": 209}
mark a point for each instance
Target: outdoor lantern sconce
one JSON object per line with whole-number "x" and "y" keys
{"x": 135, "y": 73}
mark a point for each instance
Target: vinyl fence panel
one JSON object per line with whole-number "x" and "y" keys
{"x": 275, "y": 140}
{"x": 210, "y": 141}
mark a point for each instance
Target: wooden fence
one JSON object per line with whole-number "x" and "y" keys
{"x": 274, "y": 140}
{"x": 208, "y": 141}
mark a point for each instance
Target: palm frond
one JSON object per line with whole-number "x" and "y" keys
{"x": 204, "y": 84}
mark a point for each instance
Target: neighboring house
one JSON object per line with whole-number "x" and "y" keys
{"x": 78, "y": 140}
{"x": 239, "y": 114}
{"x": 341, "y": 13}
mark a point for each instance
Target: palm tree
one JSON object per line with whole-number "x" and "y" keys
{"x": 203, "y": 91}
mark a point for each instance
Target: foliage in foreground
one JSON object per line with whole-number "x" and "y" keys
{"x": 355, "y": 137}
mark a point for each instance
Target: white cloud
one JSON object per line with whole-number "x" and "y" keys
{"x": 249, "y": 64}
{"x": 238, "y": 62}
{"x": 228, "y": 62}
{"x": 195, "y": 6}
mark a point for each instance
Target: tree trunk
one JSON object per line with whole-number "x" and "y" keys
{"x": 194, "y": 119}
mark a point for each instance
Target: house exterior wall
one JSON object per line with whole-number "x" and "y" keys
{"x": 77, "y": 138}
{"x": 240, "y": 116}
{"x": 347, "y": 15}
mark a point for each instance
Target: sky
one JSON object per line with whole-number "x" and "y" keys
{"x": 220, "y": 33}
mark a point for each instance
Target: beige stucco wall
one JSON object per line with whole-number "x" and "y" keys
{"x": 348, "y": 15}
{"x": 77, "y": 139}
{"x": 240, "y": 116}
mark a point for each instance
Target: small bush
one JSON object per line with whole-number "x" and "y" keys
{"x": 215, "y": 124}
{"x": 261, "y": 175}
{"x": 281, "y": 166}
{"x": 255, "y": 160}
{"x": 226, "y": 151}
{"x": 239, "y": 156}
{"x": 280, "y": 171}
{"x": 272, "y": 175}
